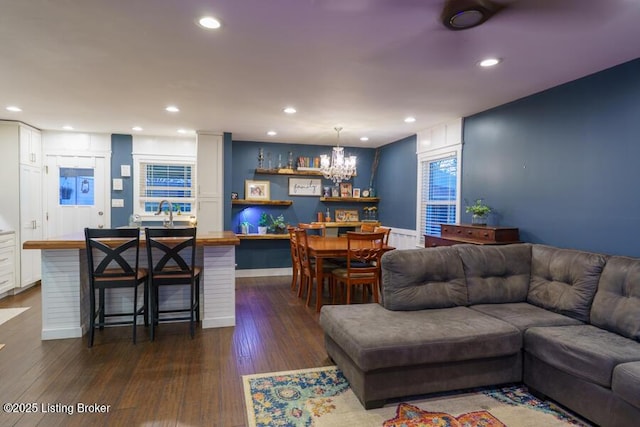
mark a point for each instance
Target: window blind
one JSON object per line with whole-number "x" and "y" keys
{"x": 439, "y": 194}
{"x": 172, "y": 182}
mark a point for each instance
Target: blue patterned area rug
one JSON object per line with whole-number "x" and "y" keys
{"x": 322, "y": 397}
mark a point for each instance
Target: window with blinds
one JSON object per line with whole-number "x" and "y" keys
{"x": 439, "y": 191}
{"x": 172, "y": 182}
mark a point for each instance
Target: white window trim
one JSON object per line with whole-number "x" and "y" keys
{"x": 139, "y": 159}
{"x": 428, "y": 156}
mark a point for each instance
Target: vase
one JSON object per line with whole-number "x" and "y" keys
{"x": 262, "y": 230}
{"x": 479, "y": 220}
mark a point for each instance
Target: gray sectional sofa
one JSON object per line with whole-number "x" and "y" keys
{"x": 566, "y": 323}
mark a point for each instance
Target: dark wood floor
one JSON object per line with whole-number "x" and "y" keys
{"x": 174, "y": 381}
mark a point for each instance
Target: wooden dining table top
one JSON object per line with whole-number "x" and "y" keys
{"x": 335, "y": 246}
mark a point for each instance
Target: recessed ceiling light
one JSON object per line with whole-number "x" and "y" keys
{"x": 364, "y": 138}
{"x": 209, "y": 22}
{"x": 272, "y": 133}
{"x": 185, "y": 131}
{"x": 172, "y": 109}
{"x": 489, "y": 62}
{"x": 67, "y": 127}
{"x": 290, "y": 110}
{"x": 137, "y": 128}
{"x": 14, "y": 108}
{"x": 410, "y": 120}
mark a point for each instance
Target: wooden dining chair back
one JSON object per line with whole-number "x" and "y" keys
{"x": 171, "y": 253}
{"x": 385, "y": 230}
{"x": 364, "y": 251}
{"x": 112, "y": 261}
{"x": 368, "y": 227}
{"x": 307, "y": 267}
{"x": 295, "y": 259}
{"x": 319, "y": 227}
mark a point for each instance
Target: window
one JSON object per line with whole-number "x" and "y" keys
{"x": 438, "y": 192}
{"x": 76, "y": 187}
{"x": 166, "y": 181}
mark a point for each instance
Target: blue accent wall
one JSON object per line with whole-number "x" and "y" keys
{"x": 275, "y": 253}
{"x": 562, "y": 165}
{"x": 396, "y": 183}
{"x": 121, "y": 154}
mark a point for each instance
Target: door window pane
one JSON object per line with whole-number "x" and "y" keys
{"x": 76, "y": 187}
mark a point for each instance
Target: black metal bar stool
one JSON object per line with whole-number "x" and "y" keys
{"x": 171, "y": 254}
{"x": 112, "y": 256}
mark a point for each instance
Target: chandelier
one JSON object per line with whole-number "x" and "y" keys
{"x": 337, "y": 167}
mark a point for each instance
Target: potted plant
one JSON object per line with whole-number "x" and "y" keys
{"x": 263, "y": 223}
{"x": 245, "y": 227}
{"x": 479, "y": 211}
{"x": 278, "y": 225}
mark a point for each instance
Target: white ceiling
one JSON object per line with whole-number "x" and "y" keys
{"x": 107, "y": 65}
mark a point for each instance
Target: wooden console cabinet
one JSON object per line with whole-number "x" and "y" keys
{"x": 455, "y": 234}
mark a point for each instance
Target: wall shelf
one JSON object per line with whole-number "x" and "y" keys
{"x": 351, "y": 199}
{"x": 286, "y": 171}
{"x": 261, "y": 202}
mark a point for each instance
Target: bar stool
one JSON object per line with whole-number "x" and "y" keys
{"x": 112, "y": 261}
{"x": 171, "y": 253}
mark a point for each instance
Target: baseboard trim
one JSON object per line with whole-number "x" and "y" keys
{"x": 263, "y": 272}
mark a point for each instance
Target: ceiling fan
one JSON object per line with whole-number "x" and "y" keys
{"x": 463, "y": 14}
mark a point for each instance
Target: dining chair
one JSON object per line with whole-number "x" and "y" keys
{"x": 321, "y": 228}
{"x": 171, "y": 253}
{"x": 295, "y": 259}
{"x": 363, "y": 263}
{"x": 385, "y": 230}
{"x": 308, "y": 270}
{"x": 367, "y": 227}
{"x": 112, "y": 262}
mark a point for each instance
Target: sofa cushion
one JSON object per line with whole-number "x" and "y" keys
{"x": 496, "y": 274}
{"x": 524, "y": 316}
{"x": 616, "y": 306}
{"x": 626, "y": 382}
{"x": 375, "y": 337}
{"x": 564, "y": 280}
{"x": 584, "y": 351}
{"x": 415, "y": 279}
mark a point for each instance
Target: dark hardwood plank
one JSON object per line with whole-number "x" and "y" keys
{"x": 174, "y": 381}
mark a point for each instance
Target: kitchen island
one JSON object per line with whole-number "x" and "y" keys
{"x": 65, "y": 306}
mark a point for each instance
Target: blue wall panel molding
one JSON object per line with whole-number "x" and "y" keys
{"x": 397, "y": 182}
{"x": 121, "y": 154}
{"x": 562, "y": 165}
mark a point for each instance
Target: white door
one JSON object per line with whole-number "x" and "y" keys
{"x": 77, "y": 189}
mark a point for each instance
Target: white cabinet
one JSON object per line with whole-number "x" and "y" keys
{"x": 7, "y": 262}
{"x": 210, "y": 167}
{"x": 30, "y": 222}
{"x": 30, "y": 146}
{"x": 21, "y": 153}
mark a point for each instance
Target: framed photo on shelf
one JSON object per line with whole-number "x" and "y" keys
{"x": 346, "y": 215}
{"x": 335, "y": 192}
{"x": 256, "y": 190}
{"x": 345, "y": 189}
{"x": 305, "y": 187}
{"x": 356, "y": 193}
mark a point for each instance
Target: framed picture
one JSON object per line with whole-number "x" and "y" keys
{"x": 345, "y": 189}
{"x": 346, "y": 215}
{"x": 335, "y": 192}
{"x": 305, "y": 187}
{"x": 356, "y": 193}
{"x": 256, "y": 190}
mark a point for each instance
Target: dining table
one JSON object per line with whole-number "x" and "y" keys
{"x": 321, "y": 248}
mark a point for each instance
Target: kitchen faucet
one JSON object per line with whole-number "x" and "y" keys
{"x": 162, "y": 202}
